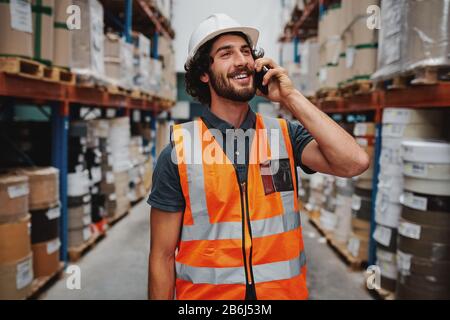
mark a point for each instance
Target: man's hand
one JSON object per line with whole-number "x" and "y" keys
{"x": 280, "y": 86}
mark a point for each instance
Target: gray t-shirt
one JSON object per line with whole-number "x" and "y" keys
{"x": 166, "y": 191}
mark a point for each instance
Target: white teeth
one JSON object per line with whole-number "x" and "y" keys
{"x": 241, "y": 76}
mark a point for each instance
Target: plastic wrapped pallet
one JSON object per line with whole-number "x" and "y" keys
{"x": 43, "y": 30}
{"x": 62, "y": 49}
{"x": 119, "y": 139}
{"x": 87, "y": 43}
{"x": 409, "y": 39}
{"x": 17, "y": 28}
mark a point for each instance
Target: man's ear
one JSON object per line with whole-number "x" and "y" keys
{"x": 204, "y": 78}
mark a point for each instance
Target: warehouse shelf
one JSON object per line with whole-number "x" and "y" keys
{"x": 421, "y": 96}
{"x": 40, "y": 91}
{"x": 302, "y": 22}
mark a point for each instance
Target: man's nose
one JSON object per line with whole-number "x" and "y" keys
{"x": 240, "y": 59}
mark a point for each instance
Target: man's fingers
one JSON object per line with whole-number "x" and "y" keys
{"x": 259, "y": 63}
{"x": 277, "y": 73}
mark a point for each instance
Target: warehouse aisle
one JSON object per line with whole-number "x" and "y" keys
{"x": 117, "y": 267}
{"x": 328, "y": 277}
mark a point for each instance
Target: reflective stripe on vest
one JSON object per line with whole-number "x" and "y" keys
{"x": 262, "y": 273}
{"x": 202, "y": 229}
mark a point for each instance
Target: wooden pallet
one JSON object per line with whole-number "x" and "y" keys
{"x": 328, "y": 94}
{"x": 357, "y": 87}
{"x": 75, "y": 253}
{"x": 341, "y": 249}
{"x": 138, "y": 94}
{"x": 117, "y": 90}
{"x": 418, "y": 77}
{"x": 22, "y": 67}
{"x": 39, "y": 284}
{"x": 59, "y": 75}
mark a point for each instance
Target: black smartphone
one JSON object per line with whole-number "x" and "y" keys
{"x": 259, "y": 78}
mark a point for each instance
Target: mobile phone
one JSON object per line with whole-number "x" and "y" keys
{"x": 259, "y": 78}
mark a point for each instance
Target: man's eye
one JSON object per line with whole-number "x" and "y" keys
{"x": 247, "y": 52}
{"x": 226, "y": 54}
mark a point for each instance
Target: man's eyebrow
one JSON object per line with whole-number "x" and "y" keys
{"x": 227, "y": 47}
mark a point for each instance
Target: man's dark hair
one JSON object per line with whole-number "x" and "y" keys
{"x": 201, "y": 63}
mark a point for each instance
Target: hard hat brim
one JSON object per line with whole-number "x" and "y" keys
{"x": 252, "y": 33}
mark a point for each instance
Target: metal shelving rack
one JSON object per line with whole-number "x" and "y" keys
{"x": 61, "y": 97}
{"x": 419, "y": 96}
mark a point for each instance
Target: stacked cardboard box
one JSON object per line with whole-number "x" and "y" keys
{"x": 137, "y": 172}
{"x": 141, "y": 61}
{"x": 87, "y": 42}
{"x": 62, "y": 48}
{"x": 17, "y": 29}
{"x": 343, "y": 211}
{"x": 43, "y": 30}
{"x": 424, "y": 227}
{"x": 79, "y": 196}
{"x": 362, "y": 198}
{"x": 119, "y": 65}
{"x": 45, "y": 218}
{"x": 398, "y": 125}
{"x": 119, "y": 141}
{"x": 16, "y": 264}
{"x": 168, "y": 77}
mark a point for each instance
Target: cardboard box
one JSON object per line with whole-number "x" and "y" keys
{"x": 80, "y": 216}
{"x": 79, "y": 236}
{"x": 46, "y": 258}
{"x": 43, "y": 30}
{"x": 87, "y": 43}
{"x": 15, "y": 242}
{"x": 16, "y": 279}
{"x": 14, "y": 192}
{"x": 45, "y": 224}
{"x": 16, "y": 29}
{"x": 44, "y": 187}
{"x": 62, "y": 49}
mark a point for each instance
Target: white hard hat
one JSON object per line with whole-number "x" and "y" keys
{"x": 215, "y": 25}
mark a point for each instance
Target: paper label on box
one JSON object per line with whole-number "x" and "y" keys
{"x": 383, "y": 235}
{"x": 323, "y": 75}
{"x": 87, "y": 209}
{"x": 21, "y": 18}
{"x": 386, "y": 256}
{"x": 109, "y": 177}
{"x": 393, "y": 130}
{"x": 360, "y": 129}
{"x": 419, "y": 170}
{"x": 53, "y": 246}
{"x": 401, "y": 115}
{"x": 86, "y": 233}
{"x": 83, "y": 141}
{"x": 353, "y": 246}
{"x": 80, "y": 157}
{"x": 350, "y": 57}
{"x": 24, "y": 274}
{"x": 53, "y": 213}
{"x": 94, "y": 190}
{"x": 415, "y": 202}
{"x": 363, "y": 142}
{"x": 79, "y": 168}
{"x": 404, "y": 262}
{"x": 87, "y": 220}
{"x": 356, "y": 202}
{"x": 18, "y": 191}
{"x": 409, "y": 230}
{"x": 86, "y": 198}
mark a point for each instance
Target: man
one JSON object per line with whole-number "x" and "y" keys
{"x": 230, "y": 228}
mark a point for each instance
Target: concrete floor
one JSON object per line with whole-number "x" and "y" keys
{"x": 117, "y": 267}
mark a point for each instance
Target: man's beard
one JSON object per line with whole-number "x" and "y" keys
{"x": 225, "y": 89}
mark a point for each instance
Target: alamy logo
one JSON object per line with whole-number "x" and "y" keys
{"x": 73, "y": 22}
{"x": 373, "y": 278}
{"x": 374, "y": 19}
{"x": 73, "y": 281}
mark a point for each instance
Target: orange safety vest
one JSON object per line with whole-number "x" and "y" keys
{"x": 235, "y": 238}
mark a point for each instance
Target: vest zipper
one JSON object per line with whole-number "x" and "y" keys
{"x": 250, "y": 290}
